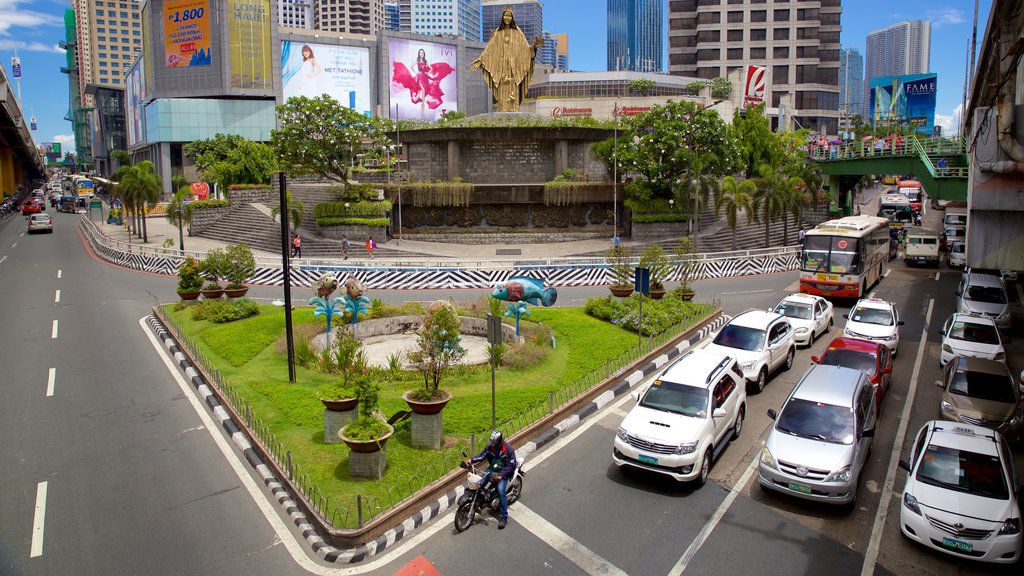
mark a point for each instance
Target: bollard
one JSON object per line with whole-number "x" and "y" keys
{"x": 359, "y": 508}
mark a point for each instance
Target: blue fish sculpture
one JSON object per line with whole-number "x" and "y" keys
{"x": 521, "y": 288}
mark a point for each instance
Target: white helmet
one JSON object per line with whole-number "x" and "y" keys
{"x": 496, "y": 439}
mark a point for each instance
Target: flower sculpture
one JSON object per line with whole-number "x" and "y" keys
{"x": 324, "y": 306}
{"x": 517, "y": 310}
{"x": 353, "y": 301}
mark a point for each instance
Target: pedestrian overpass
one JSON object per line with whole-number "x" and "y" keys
{"x": 844, "y": 164}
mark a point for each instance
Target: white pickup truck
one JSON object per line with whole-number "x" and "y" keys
{"x": 922, "y": 248}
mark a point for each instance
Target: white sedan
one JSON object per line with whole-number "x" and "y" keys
{"x": 971, "y": 335}
{"x": 811, "y": 316}
{"x": 875, "y": 320}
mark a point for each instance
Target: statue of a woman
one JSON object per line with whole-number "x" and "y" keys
{"x": 507, "y": 63}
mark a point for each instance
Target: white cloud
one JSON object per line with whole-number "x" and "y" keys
{"x": 944, "y": 16}
{"x": 67, "y": 142}
{"x": 14, "y": 16}
{"x": 950, "y": 122}
{"x": 11, "y": 45}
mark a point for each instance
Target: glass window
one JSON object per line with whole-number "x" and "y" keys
{"x": 735, "y": 54}
{"x": 780, "y": 52}
{"x": 758, "y": 53}
{"x": 735, "y": 17}
{"x": 735, "y": 36}
{"x": 100, "y": 13}
{"x": 878, "y": 316}
{"x": 780, "y": 75}
{"x": 758, "y": 34}
{"x": 797, "y": 310}
{"x": 817, "y": 421}
{"x": 990, "y": 294}
{"x": 963, "y": 471}
{"x": 974, "y": 332}
{"x": 781, "y": 15}
{"x": 863, "y": 361}
{"x": 983, "y": 386}
{"x": 740, "y": 337}
{"x": 780, "y": 34}
{"x": 676, "y": 398}
{"x": 758, "y": 15}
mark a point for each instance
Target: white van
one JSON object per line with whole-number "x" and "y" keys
{"x": 922, "y": 248}
{"x": 954, "y": 217}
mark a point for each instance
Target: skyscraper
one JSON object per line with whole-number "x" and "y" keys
{"x": 295, "y": 13}
{"x": 634, "y": 35}
{"x": 352, "y": 16}
{"x": 903, "y": 48}
{"x": 392, "y": 18}
{"x": 555, "y": 52}
{"x": 797, "y": 42}
{"x": 851, "y": 83}
{"x": 109, "y": 35}
{"x": 529, "y": 16}
{"x": 442, "y": 17}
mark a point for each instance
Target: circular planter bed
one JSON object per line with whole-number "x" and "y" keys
{"x": 213, "y": 294}
{"x": 238, "y": 293}
{"x": 621, "y": 291}
{"x": 343, "y": 405}
{"x": 429, "y": 407}
{"x": 189, "y": 295}
{"x": 366, "y": 446}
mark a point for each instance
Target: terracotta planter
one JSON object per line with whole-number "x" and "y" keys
{"x": 189, "y": 295}
{"x": 687, "y": 294}
{"x": 213, "y": 294}
{"x": 621, "y": 291}
{"x": 368, "y": 446}
{"x": 236, "y": 293}
{"x": 343, "y": 405}
{"x": 430, "y": 407}
{"x": 656, "y": 294}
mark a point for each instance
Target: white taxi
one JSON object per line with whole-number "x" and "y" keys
{"x": 811, "y": 316}
{"x": 875, "y": 320}
{"x": 961, "y": 493}
{"x": 971, "y": 335}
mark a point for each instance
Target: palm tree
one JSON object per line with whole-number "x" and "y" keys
{"x": 179, "y": 213}
{"x": 143, "y": 187}
{"x": 295, "y": 208}
{"x": 704, "y": 186}
{"x": 768, "y": 200}
{"x": 736, "y": 197}
{"x": 795, "y": 198}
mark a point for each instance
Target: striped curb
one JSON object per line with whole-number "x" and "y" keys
{"x": 436, "y": 507}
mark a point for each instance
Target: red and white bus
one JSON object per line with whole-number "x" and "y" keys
{"x": 843, "y": 258}
{"x": 914, "y": 192}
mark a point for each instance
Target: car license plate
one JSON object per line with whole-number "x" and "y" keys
{"x": 647, "y": 459}
{"x": 799, "y": 488}
{"x": 957, "y": 544}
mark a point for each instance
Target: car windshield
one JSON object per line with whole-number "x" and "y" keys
{"x": 959, "y": 248}
{"x": 954, "y": 232}
{"x": 974, "y": 332}
{"x": 983, "y": 386}
{"x": 863, "y": 361}
{"x": 676, "y": 398}
{"x": 794, "y": 310}
{"x": 817, "y": 421}
{"x": 836, "y": 255}
{"x": 912, "y": 194}
{"x": 963, "y": 471}
{"x": 989, "y": 294}
{"x": 878, "y": 316}
{"x": 741, "y": 337}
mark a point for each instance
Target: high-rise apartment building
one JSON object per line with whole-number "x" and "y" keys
{"x": 796, "y": 41}
{"x": 295, "y": 13}
{"x": 555, "y": 51}
{"x": 109, "y": 35}
{"x": 903, "y": 48}
{"x": 851, "y": 84}
{"x": 351, "y": 16}
{"x": 392, "y": 16}
{"x": 529, "y": 16}
{"x": 634, "y": 34}
{"x": 441, "y": 17}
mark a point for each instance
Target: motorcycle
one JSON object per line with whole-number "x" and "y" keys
{"x": 472, "y": 501}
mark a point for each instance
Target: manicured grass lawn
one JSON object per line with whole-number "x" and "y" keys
{"x": 251, "y": 357}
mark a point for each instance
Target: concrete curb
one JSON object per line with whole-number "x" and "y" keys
{"x": 434, "y": 508}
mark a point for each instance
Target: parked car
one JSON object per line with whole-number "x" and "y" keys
{"x": 957, "y": 255}
{"x": 961, "y": 494}
{"x": 986, "y": 295}
{"x": 40, "y": 223}
{"x": 871, "y": 358}
{"x": 820, "y": 440}
{"x": 982, "y": 392}
{"x": 876, "y": 320}
{"x": 810, "y": 316}
{"x": 685, "y": 418}
{"x": 760, "y": 341}
{"x": 971, "y": 335}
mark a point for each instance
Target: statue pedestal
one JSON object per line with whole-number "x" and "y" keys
{"x": 335, "y": 421}
{"x": 427, "y": 430}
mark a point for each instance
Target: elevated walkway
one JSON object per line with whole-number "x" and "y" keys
{"x": 913, "y": 155}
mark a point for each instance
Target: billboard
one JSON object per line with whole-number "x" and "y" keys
{"x": 186, "y": 33}
{"x": 52, "y": 151}
{"x": 754, "y": 82}
{"x": 134, "y": 97}
{"x": 342, "y": 72}
{"x": 423, "y": 85}
{"x": 249, "y": 44}
{"x": 905, "y": 100}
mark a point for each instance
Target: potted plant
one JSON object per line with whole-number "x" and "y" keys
{"x": 190, "y": 280}
{"x": 337, "y": 396}
{"x": 655, "y": 260}
{"x": 687, "y": 267}
{"x": 240, "y": 264}
{"x": 369, "y": 432}
{"x": 439, "y": 350}
{"x": 114, "y": 216}
{"x": 213, "y": 267}
{"x": 621, "y": 271}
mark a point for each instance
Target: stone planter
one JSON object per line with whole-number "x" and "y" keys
{"x": 236, "y": 293}
{"x": 368, "y": 446}
{"x": 687, "y": 294}
{"x": 213, "y": 293}
{"x": 189, "y": 295}
{"x": 429, "y": 407}
{"x": 657, "y": 294}
{"x": 621, "y": 291}
{"x": 343, "y": 405}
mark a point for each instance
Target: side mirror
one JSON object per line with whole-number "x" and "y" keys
{"x": 847, "y": 316}
{"x": 959, "y": 293}
{"x": 938, "y": 383}
{"x": 887, "y": 370}
{"x": 905, "y": 465}
{"x": 718, "y": 413}
{"x": 772, "y": 414}
{"x": 869, "y": 433}
{"x": 900, "y": 323}
{"x": 815, "y": 359}
{"x": 636, "y": 395}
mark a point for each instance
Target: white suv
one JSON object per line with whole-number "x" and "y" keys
{"x": 760, "y": 341}
{"x": 875, "y": 320}
{"x": 685, "y": 418}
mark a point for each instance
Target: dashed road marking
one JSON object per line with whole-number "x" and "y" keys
{"x": 59, "y": 273}
{"x": 56, "y": 297}
{"x": 50, "y": 380}
{"x": 38, "y": 521}
{"x": 53, "y": 331}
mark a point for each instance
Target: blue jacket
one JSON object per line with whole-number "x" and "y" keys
{"x": 502, "y": 459}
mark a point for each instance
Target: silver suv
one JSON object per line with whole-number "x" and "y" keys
{"x": 986, "y": 295}
{"x": 820, "y": 441}
{"x": 760, "y": 341}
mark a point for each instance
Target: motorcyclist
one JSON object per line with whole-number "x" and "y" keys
{"x": 502, "y": 463}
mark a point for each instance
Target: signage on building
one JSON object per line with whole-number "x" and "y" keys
{"x": 249, "y": 44}
{"x": 754, "y": 85}
{"x": 342, "y": 72}
{"x": 422, "y": 78}
{"x": 16, "y": 67}
{"x": 32, "y": 123}
{"x": 200, "y": 190}
{"x": 186, "y": 33}
{"x": 560, "y": 112}
{"x": 904, "y": 100}
{"x": 633, "y": 110}
{"x": 134, "y": 89}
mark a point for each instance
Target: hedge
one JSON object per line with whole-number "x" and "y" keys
{"x": 378, "y": 222}
{"x": 203, "y": 204}
{"x": 658, "y": 218}
{"x": 338, "y": 210}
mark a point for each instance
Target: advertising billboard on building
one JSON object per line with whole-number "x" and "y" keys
{"x": 249, "y": 44}
{"x": 423, "y": 85}
{"x": 186, "y": 33}
{"x": 905, "y": 100}
{"x": 754, "y": 82}
{"x": 52, "y": 151}
{"x": 342, "y": 72}
{"x": 134, "y": 97}
{"x": 146, "y": 46}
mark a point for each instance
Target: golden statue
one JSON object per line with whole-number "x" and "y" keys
{"x": 507, "y": 63}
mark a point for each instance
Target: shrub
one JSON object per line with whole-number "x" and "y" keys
{"x": 439, "y": 348}
{"x": 368, "y": 426}
{"x": 204, "y": 204}
{"x": 359, "y": 208}
{"x": 189, "y": 276}
{"x": 658, "y": 218}
{"x": 334, "y": 391}
{"x": 221, "y": 311}
{"x": 239, "y": 263}
{"x": 249, "y": 187}
{"x": 377, "y": 222}
{"x": 215, "y": 265}
{"x": 620, "y": 266}
{"x": 659, "y": 315}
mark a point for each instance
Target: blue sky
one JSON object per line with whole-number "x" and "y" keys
{"x": 36, "y": 26}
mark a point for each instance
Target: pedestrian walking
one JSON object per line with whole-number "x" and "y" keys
{"x": 942, "y": 166}
{"x": 371, "y": 246}
{"x": 344, "y": 246}
{"x": 297, "y": 247}
{"x": 800, "y": 236}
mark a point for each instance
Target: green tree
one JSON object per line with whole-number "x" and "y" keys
{"x": 206, "y": 153}
{"x": 770, "y": 198}
{"x": 721, "y": 88}
{"x": 248, "y": 163}
{"x": 142, "y": 186}
{"x": 735, "y": 196}
{"x": 439, "y": 349}
{"x": 179, "y": 213}
{"x": 320, "y": 136}
{"x": 755, "y": 140}
{"x": 643, "y": 86}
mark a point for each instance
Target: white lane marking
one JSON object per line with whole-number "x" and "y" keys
{"x": 39, "y": 521}
{"x": 15, "y": 245}
{"x": 53, "y": 331}
{"x": 56, "y": 297}
{"x": 51, "y": 378}
{"x": 566, "y": 545}
{"x": 936, "y": 276}
{"x": 59, "y": 273}
{"x": 871, "y": 555}
{"x": 702, "y": 536}
{"x": 4, "y": 259}
{"x": 748, "y": 292}
{"x": 887, "y": 272}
